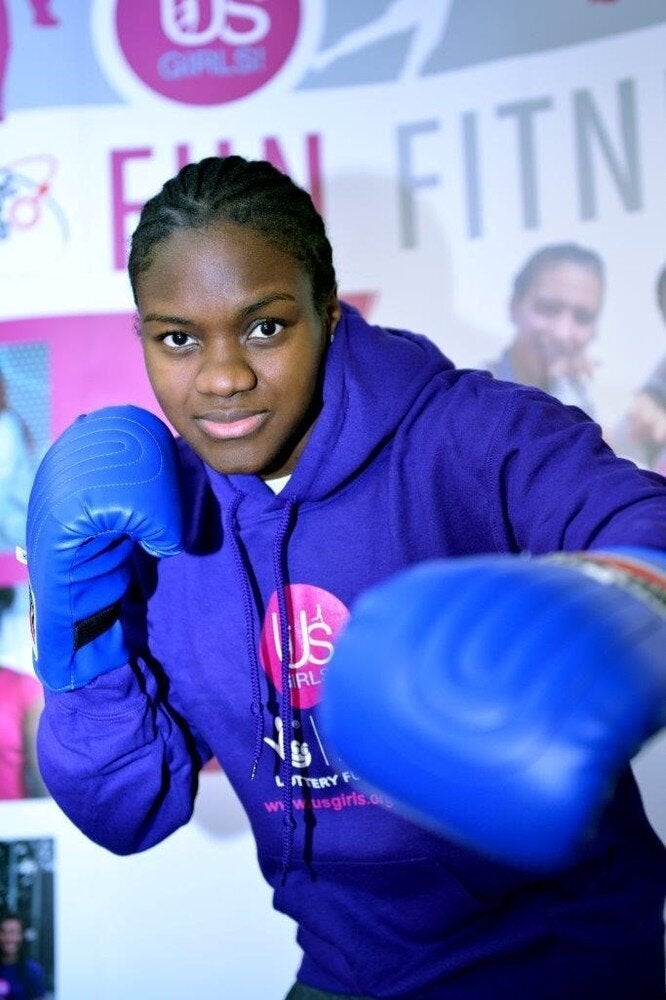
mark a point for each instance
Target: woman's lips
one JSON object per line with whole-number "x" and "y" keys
{"x": 228, "y": 426}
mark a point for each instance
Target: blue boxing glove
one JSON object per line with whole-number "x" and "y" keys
{"x": 498, "y": 698}
{"x": 109, "y": 481}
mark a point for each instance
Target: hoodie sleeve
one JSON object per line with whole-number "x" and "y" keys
{"x": 119, "y": 761}
{"x": 558, "y": 486}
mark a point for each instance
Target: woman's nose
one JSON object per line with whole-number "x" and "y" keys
{"x": 225, "y": 372}
{"x": 566, "y": 331}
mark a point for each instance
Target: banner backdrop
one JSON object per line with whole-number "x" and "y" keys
{"x": 444, "y": 141}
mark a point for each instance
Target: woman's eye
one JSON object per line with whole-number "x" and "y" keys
{"x": 177, "y": 339}
{"x": 265, "y": 329}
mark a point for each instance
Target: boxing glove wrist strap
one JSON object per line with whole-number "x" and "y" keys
{"x": 633, "y": 572}
{"x": 88, "y": 629}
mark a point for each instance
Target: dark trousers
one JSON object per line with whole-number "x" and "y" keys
{"x": 300, "y": 991}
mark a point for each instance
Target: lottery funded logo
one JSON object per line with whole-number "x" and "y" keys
{"x": 316, "y": 619}
{"x": 206, "y": 52}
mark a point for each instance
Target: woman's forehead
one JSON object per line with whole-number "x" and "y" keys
{"x": 196, "y": 269}
{"x": 224, "y": 244}
{"x": 566, "y": 278}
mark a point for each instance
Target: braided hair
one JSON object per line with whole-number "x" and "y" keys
{"x": 250, "y": 193}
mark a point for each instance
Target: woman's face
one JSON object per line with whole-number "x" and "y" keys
{"x": 558, "y": 313}
{"x": 233, "y": 346}
{"x": 11, "y": 939}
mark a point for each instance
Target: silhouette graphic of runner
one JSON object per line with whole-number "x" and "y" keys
{"x": 427, "y": 21}
{"x": 42, "y": 15}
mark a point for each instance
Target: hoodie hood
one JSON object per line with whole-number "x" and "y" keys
{"x": 372, "y": 377}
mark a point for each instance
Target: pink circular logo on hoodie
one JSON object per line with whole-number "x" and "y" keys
{"x": 207, "y": 52}
{"x": 316, "y": 619}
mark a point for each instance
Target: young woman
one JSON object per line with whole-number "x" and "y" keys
{"x": 317, "y": 455}
{"x": 555, "y": 304}
{"x": 21, "y": 978}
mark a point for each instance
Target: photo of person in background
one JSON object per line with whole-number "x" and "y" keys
{"x": 21, "y": 978}
{"x": 555, "y": 304}
{"x": 27, "y": 938}
{"x": 23, "y": 427}
{"x": 21, "y": 704}
{"x": 17, "y": 468}
{"x": 641, "y": 435}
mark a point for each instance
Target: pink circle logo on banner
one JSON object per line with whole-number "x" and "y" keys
{"x": 316, "y": 618}
{"x": 207, "y": 52}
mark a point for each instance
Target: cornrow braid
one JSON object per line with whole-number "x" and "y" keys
{"x": 250, "y": 193}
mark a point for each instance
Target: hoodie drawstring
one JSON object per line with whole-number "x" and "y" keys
{"x": 286, "y": 714}
{"x": 256, "y": 706}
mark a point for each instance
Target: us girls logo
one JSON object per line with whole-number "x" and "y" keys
{"x": 198, "y": 52}
{"x": 316, "y": 618}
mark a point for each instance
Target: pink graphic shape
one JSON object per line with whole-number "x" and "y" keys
{"x": 94, "y": 361}
{"x": 207, "y": 52}
{"x": 316, "y": 619}
{"x": 43, "y": 14}
{"x": 363, "y": 301}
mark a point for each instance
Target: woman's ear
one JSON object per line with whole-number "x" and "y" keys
{"x": 332, "y": 314}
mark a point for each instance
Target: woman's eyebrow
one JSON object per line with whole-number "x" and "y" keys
{"x": 266, "y": 301}
{"x": 160, "y": 318}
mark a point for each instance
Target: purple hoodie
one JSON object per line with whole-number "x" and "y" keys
{"x": 409, "y": 459}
